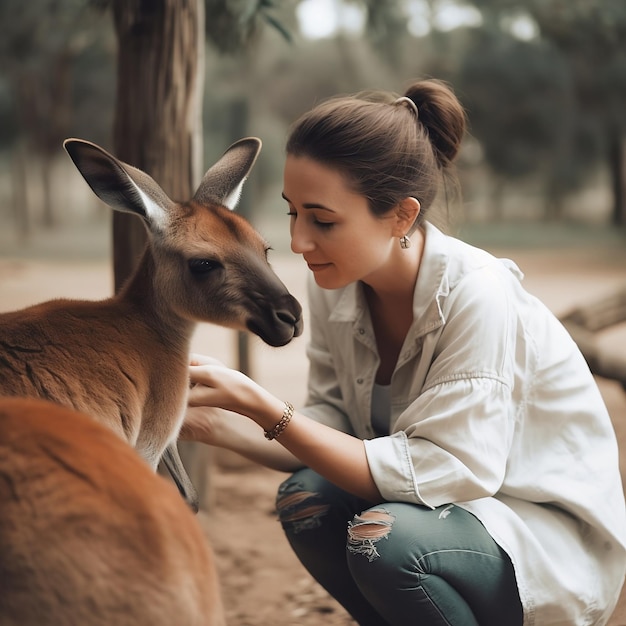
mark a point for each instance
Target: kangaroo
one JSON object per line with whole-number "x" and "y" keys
{"x": 123, "y": 360}
{"x": 81, "y": 544}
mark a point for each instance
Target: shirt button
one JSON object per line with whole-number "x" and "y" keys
{"x": 361, "y": 331}
{"x": 359, "y": 381}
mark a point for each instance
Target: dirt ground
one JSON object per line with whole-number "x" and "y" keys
{"x": 262, "y": 582}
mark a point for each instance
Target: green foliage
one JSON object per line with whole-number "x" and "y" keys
{"x": 596, "y": 27}
{"x": 41, "y": 41}
{"x": 386, "y": 28}
{"x": 31, "y": 30}
{"x": 582, "y": 41}
{"x": 231, "y": 25}
{"x": 517, "y": 97}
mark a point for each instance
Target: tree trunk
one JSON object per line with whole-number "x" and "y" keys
{"x": 158, "y": 128}
{"x": 617, "y": 167}
{"x": 48, "y": 211}
{"x": 553, "y": 207}
{"x": 496, "y": 198}
{"x": 19, "y": 180}
{"x": 25, "y": 170}
{"x": 54, "y": 117}
{"x": 158, "y": 113}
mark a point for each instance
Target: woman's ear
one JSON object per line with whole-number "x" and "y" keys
{"x": 407, "y": 211}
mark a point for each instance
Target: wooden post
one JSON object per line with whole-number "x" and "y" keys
{"x": 158, "y": 128}
{"x": 158, "y": 112}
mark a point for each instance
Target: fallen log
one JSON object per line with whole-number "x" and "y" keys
{"x": 585, "y": 321}
{"x": 603, "y": 313}
{"x": 601, "y": 363}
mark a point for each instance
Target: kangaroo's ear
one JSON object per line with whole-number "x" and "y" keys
{"x": 223, "y": 181}
{"x": 121, "y": 186}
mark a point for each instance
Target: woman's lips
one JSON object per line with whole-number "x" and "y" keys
{"x": 318, "y": 267}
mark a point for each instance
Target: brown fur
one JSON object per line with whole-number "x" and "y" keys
{"x": 89, "y": 535}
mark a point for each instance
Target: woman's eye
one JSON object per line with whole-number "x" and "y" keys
{"x": 315, "y": 222}
{"x": 324, "y": 225}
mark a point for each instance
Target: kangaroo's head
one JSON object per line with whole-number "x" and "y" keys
{"x": 209, "y": 263}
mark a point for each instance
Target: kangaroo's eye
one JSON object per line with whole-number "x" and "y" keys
{"x": 199, "y": 267}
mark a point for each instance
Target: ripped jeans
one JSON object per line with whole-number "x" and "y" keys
{"x": 398, "y": 563}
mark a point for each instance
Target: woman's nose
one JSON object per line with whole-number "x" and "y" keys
{"x": 301, "y": 242}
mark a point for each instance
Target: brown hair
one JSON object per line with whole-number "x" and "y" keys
{"x": 386, "y": 152}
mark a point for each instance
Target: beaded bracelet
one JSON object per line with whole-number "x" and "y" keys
{"x": 282, "y": 424}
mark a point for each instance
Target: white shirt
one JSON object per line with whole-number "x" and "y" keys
{"x": 493, "y": 408}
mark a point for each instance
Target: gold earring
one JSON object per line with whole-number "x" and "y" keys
{"x": 405, "y": 242}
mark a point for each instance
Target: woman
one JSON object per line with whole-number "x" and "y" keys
{"x": 454, "y": 462}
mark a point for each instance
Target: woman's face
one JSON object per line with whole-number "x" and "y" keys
{"x": 332, "y": 227}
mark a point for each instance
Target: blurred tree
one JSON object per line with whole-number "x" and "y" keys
{"x": 589, "y": 36}
{"x": 355, "y": 66}
{"x": 38, "y": 44}
{"x": 93, "y": 88}
{"x": 386, "y": 27}
{"x": 235, "y": 25}
{"x": 517, "y": 96}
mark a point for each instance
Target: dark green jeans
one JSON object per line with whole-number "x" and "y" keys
{"x": 398, "y": 563}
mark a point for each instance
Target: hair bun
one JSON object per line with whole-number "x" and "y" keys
{"x": 442, "y": 115}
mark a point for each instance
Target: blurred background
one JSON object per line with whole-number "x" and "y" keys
{"x": 543, "y": 82}
{"x": 167, "y": 85}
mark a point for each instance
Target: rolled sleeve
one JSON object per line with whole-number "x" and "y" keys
{"x": 457, "y": 453}
{"x": 391, "y": 466}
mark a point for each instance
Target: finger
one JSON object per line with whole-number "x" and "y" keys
{"x": 200, "y": 395}
{"x": 202, "y": 359}
{"x": 203, "y": 374}
{"x": 205, "y": 396}
{"x": 187, "y": 432}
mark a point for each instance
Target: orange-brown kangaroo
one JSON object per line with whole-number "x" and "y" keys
{"x": 89, "y": 534}
{"x": 123, "y": 360}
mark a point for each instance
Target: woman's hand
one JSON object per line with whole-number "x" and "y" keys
{"x": 336, "y": 455}
{"x": 202, "y": 424}
{"x": 224, "y": 405}
{"x": 207, "y": 402}
{"x": 213, "y": 384}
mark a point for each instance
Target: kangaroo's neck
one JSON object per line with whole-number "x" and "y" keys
{"x": 141, "y": 292}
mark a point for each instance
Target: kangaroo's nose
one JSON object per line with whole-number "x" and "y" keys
{"x": 292, "y": 316}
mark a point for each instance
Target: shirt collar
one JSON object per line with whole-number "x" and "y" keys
{"x": 432, "y": 283}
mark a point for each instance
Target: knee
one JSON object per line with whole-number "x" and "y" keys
{"x": 371, "y": 557}
{"x": 382, "y": 544}
{"x": 300, "y": 501}
{"x": 367, "y": 530}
